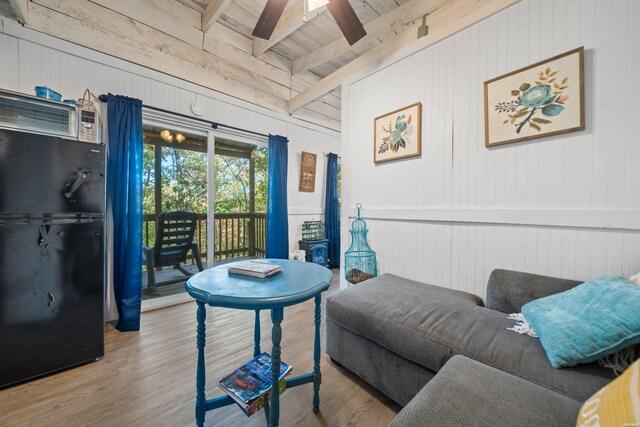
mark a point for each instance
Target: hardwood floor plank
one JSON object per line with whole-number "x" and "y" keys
{"x": 147, "y": 378}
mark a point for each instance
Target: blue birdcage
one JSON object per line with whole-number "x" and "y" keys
{"x": 360, "y": 259}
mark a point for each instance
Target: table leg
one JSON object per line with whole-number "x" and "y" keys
{"x": 256, "y": 335}
{"x": 317, "y": 376}
{"x": 201, "y": 376}
{"x": 277, "y": 314}
{"x": 266, "y": 413}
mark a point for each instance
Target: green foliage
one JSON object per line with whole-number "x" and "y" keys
{"x": 184, "y": 181}
{"x": 184, "y": 184}
{"x": 262, "y": 163}
{"x": 232, "y": 183}
{"x": 148, "y": 179}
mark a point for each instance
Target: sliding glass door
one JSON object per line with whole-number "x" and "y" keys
{"x": 175, "y": 178}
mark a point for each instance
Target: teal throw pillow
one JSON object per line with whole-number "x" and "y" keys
{"x": 588, "y": 322}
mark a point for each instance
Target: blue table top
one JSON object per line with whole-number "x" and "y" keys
{"x": 298, "y": 281}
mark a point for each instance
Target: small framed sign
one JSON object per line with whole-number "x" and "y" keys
{"x": 308, "y": 172}
{"x": 543, "y": 99}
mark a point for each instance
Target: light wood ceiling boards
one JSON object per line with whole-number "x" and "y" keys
{"x": 208, "y": 42}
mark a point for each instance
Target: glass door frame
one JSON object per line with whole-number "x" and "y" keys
{"x": 227, "y": 135}
{"x": 197, "y": 127}
{"x": 181, "y": 124}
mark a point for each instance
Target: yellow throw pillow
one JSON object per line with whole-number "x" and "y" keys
{"x": 617, "y": 404}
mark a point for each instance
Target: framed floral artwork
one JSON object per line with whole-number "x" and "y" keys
{"x": 543, "y": 99}
{"x": 397, "y": 134}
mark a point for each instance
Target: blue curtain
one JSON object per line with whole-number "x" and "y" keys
{"x": 332, "y": 212}
{"x": 277, "y": 216}
{"x": 125, "y": 190}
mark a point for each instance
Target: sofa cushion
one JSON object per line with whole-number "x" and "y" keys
{"x": 458, "y": 396}
{"x": 428, "y": 325}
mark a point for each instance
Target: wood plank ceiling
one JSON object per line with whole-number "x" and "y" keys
{"x": 208, "y": 42}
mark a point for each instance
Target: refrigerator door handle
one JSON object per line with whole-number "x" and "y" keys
{"x": 43, "y": 240}
{"x": 82, "y": 176}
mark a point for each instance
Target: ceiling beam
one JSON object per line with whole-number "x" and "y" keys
{"x": 380, "y": 26}
{"x": 155, "y": 18}
{"x": 290, "y": 21}
{"x": 212, "y": 13}
{"x": 178, "y": 10}
{"x": 192, "y": 4}
{"x": 20, "y": 9}
{"x": 214, "y": 44}
{"x": 443, "y": 23}
{"x": 101, "y": 29}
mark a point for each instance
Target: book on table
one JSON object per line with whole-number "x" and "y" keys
{"x": 250, "y": 385}
{"x": 260, "y": 269}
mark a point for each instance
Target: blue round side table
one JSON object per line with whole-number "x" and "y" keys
{"x": 297, "y": 282}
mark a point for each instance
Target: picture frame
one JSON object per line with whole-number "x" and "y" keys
{"x": 308, "y": 172}
{"x": 398, "y": 134}
{"x": 536, "y": 101}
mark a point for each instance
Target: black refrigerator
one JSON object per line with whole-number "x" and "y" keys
{"x": 52, "y": 212}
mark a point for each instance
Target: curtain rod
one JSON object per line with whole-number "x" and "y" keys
{"x": 214, "y": 125}
{"x": 326, "y": 154}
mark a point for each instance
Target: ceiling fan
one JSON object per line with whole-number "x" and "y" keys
{"x": 341, "y": 11}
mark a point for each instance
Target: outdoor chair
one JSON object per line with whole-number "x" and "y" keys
{"x": 174, "y": 239}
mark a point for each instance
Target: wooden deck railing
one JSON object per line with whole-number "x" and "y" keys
{"x": 235, "y": 234}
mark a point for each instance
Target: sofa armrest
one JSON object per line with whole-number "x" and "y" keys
{"x": 508, "y": 291}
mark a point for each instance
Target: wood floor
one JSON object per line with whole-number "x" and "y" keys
{"x": 147, "y": 378}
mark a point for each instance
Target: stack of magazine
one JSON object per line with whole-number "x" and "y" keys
{"x": 250, "y": 384}
{"x": 260, "y": 269}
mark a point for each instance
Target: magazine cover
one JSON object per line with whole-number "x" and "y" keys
{"x": 257, "y": 404}
{"x": 253, "y": 378}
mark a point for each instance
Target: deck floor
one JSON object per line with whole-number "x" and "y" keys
{"x": 147, "y": 378}
{"x": 171, "y": 281}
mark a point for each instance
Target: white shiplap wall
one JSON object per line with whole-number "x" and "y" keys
{"x": 565, "y": 206}
{"x": 28, "y": 59}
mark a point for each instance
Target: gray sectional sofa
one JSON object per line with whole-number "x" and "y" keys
{"x": 397, "y": 334}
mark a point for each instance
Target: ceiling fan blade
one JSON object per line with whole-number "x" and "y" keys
{"x": 347, "y": 20}
{"x": 269, "y": 18}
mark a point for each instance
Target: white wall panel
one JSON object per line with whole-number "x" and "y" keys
{"x": 567, "y": 205}
{"x": 8, "y": 70}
